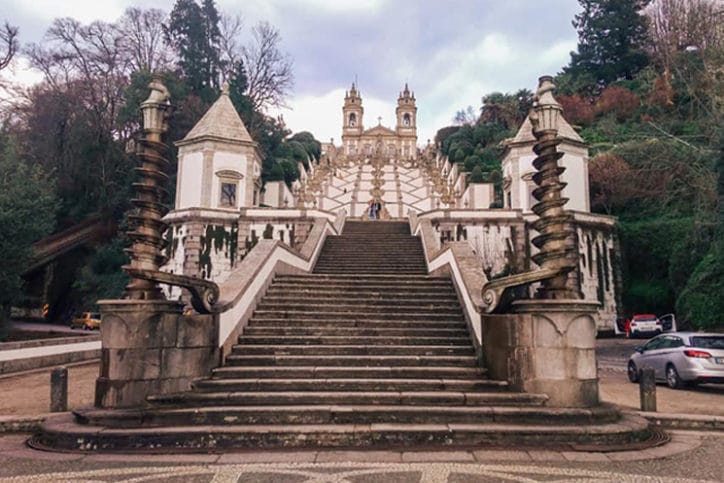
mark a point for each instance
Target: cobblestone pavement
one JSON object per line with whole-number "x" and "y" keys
{"x": 688, "y": 457}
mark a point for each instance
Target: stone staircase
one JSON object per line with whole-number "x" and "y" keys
{"x": 367, "y": 352}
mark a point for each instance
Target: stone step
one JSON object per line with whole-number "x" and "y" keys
{"x": 323, "y": 350}
{"x": 447, "y": 297}
{"x": 391, "y": 240}
{"x": 371, "y": 265}
{"x": 447, "y": 315}
{"x": 394, "y": 279}
{"x": 409, "y": 287}
{"x": 379, "y": 235}
{"x": 379, "y": 246}
{"x": 243, "y": 371}
{"x": 341, "y": 323}
{"x": 346, "y": 384}
{"x": 353, "y": 292}
{"x": 398, "y": 398}
{"x": 366, "y": 305}
{"x": 344, "y": 340}
{"x": 345, "y": 414}
{"x": 397, "y": 259}
{"x": 353, "y": 332}
{"x": 63, "y": 432}
{"x": 368, "y": 270}
{"x": 372, "y": 246}
{"x": 384, "y": 362}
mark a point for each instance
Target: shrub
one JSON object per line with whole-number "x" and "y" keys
{"x": 576, "y": 109}
{"x": 617, "y": 100}
{"x": 477, "y": 175}
{"x": 702, "y": 301}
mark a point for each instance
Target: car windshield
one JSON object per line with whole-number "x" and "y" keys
{"x": 708, "y": 342}
{"x": 95, "y": 315}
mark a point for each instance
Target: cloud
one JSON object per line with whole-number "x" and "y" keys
{"x": 450, "y": 53}
{"x": 322, "y": 114}
{"x": 83, "y": 10}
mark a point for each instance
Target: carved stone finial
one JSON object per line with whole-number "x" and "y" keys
{"x": 225, "y": 88}
{"x": 546, "y": 110}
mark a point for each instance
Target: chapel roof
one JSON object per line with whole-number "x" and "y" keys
{"x": 525, "y": 133}
{"x": 220, "y": 122}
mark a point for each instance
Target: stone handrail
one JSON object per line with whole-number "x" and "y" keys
{"x": 246, "y": 285}
{"x": 222, "y": 215}
{"x": 459, "y": 260}
{"x": 494, "y": 291}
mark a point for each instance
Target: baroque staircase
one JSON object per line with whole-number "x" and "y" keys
{"x": 366, "y": 352}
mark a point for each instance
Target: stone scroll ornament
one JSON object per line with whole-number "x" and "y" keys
{"x": 557, "y": 256}
{"x": 146, "y": 220}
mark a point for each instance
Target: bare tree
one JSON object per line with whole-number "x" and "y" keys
{"x": 142, "y": 39}
{"x": 686, "y": 25}
{"x": 466, "y": 117}
{"x": 86, "y": 73}
{"x": 91, "y": 55}
{"x": 8, "y": 44}
{"x": 229, "y": 43}
{"x": 677, "y": 25}
{"x": 269, "y": 70}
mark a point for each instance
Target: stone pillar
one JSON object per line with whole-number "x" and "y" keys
{"x": 149, "y": 347}
{"x": 545, "y": 346}
{"x": 192, "y": 248}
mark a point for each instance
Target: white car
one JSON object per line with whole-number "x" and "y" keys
{"x": 681, "y": 358}
{"x": 646, "y": 324}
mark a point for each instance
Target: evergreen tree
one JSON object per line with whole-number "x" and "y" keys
{"x": 238, "y": 85}
{"x": 193, "y": 31}
{"x": 611, "y": 38}
{"x": 27, "y": 213}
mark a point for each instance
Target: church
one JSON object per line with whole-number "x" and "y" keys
{"x": 398, "y": 142}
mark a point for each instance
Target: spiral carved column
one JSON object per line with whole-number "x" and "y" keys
{"x": 147, "y": 242}
{"x": 557, "y": 237}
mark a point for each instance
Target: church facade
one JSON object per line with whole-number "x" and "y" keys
{"x": 400, "y": 142}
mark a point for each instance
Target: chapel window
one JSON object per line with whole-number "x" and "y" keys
{"x": 228, "y": 194}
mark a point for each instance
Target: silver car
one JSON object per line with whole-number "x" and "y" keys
{"x": 681, "y": 358}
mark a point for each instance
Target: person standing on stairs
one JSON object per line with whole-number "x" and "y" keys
{"x": 372, "y": 209}
{"x": 378, "y": 208}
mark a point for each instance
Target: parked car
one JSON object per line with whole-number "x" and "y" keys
{"x": 645, "y": 324}
{"x": 681, "y": 358}
{"x": 87, "y": 321}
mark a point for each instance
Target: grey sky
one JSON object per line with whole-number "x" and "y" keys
{"x": 450, "y": 52}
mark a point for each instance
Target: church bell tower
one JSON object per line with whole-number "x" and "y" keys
{"x": 352, "y": 127}
{"x": 407, "y": 123}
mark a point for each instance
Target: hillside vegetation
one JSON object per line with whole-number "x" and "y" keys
{"x": 645, "y": 89}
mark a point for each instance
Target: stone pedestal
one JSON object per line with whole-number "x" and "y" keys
{"x": 149, "y": 347}
{"x": 545, "y": 346}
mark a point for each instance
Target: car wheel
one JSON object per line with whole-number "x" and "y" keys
{"x": 672, "y": 377}
{"x": 632, "y": 372}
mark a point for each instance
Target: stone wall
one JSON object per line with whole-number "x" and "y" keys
{"x": 211, "y": 243}
{"x": 502, "y": 241}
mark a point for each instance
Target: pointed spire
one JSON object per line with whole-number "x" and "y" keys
{"x": 225, "y": 88}
{"x": 220, "y": 122}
